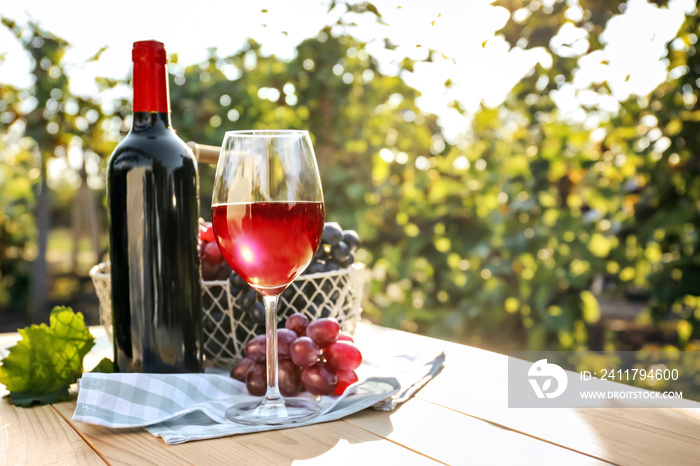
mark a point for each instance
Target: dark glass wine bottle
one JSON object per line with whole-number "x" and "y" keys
{"x": 153, "y": 195}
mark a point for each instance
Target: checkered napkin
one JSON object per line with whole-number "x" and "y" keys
{"x": 185, "y": 407}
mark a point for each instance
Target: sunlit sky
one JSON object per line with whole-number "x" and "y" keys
{"x": 635, "y": 42}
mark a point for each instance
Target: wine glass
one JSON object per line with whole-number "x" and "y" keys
{"x": 268, "y": 217}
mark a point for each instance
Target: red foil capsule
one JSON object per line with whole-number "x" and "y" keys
{"x": 150, "y": 80}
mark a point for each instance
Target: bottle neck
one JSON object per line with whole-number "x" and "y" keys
{"x": 150, "y": 82}
{"x": 143, "y": 121}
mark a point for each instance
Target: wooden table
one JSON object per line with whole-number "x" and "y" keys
{"x": 460, "y": 417}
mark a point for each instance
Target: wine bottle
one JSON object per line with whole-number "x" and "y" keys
{"x": 153, "y": 196}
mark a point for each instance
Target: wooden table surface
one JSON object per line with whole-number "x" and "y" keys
{"x": 460, "y": 417}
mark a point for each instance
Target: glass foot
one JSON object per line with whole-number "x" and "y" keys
{"x": 273, "y": 412}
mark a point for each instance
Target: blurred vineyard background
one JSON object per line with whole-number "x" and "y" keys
{"x": 530, "y": 230}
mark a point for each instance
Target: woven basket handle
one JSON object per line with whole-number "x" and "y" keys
{"x": 204, "y": 153}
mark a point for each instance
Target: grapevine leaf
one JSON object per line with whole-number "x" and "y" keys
{"x": 26, "y": 399}
{"x": 105, "y": 366}
{"x": 47, "y": 359}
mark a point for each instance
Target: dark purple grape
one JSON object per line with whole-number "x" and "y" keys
{"x": 319, "y": 379}
{"x": 286, "y": 297}
{"x": 216, "y": 315}
{"x": 304, "y": 351}
{"x": 341, "y": 252}
{"x": 320, "y": 255}
{"x": 222, "y": 319}
{"x": 224, "y": 271}
{"x": 209, "y": 326}
{"x": 352, "y": 239}
{"x": 255, "y": 348}
{"x": 315, "y": 267}
{"x": 209, "y": 270}
{"x": 302, "y": 295}
{"x": 297, "y": 323}
{"x": 248, "y": 298}
{"x": 331, "y": 267}
{"x": 289, "y": 378}
{"x": 332, "y": 233}
{"x": 347, "y": 262}
{"x": 323, "y": 331}
{"x": 257, "y": 312}
{"x": 256, "y": 379}
{"x": 236, "y": 280}
{"x": 242, "y": 333}
{"x": 206, "y": 301}
{"x": 300, "y": 303}
{"x": 240, "y": 370}
{"x": 285, "y": 337}
{"x": 312, "y": 311}
{"x": 320, "y": 308}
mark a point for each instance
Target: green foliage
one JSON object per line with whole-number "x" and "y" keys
{"x": 47, "y": 360}
{"x": 495, "y": 239}
{"x": 18, "y": 179}
{"x": 105, "y": 366}
{"x": 622, "y": 207}
{"x": 39, "y": 123}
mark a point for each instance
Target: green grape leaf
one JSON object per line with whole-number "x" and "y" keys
{"x": 105, "y": 366}
{"x": 26, "y": 399}
{"x": 48, "y": 359}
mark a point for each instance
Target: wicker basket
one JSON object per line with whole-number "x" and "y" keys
{"x": 228, "y": 327}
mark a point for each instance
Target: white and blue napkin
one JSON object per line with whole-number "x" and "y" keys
{"x": 184, "y": 407}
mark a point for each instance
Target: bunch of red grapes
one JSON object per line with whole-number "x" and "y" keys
{"x": 315, "y": 356}
{"x": 336, "y": 251}
{"x": 214, "y": 267}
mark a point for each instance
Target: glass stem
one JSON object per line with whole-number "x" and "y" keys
{"x": 272, "y": 396}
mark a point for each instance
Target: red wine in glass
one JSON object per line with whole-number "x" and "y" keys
{"x": 268, "y": 243}
{"x": 268, "y": 216}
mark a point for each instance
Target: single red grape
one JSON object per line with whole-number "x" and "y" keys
{"x": 297, "y": 322}
{"x": 210, "y": 270}
{"x": 285, "y": 337}
{"x": 240, "y": 370}
{"x": 289, "y": 378}
{"x": 319, "y": 379}
{"x": 256, "y": 379}
{"x": 212, "y": 253}
{"x": 304, "y": 351}
{"x": 206, "y": 232}
{"x": 323, "y": 331}
{"x": 345, "y": 336}
{"x": 223, "y": 272}
{"x": 255, "y": 348}
{"x": 345, "y": 379}
{"x": 343, "y": 355}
